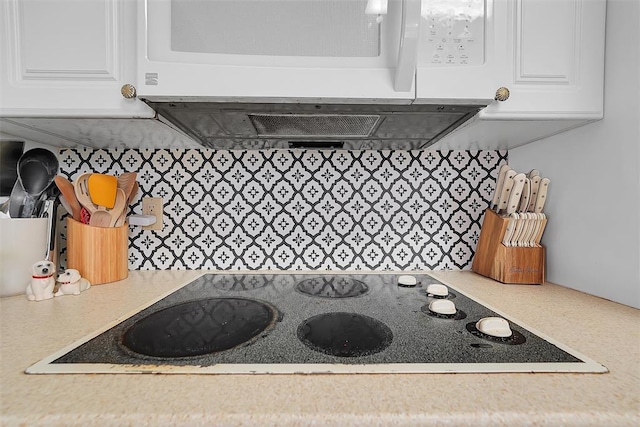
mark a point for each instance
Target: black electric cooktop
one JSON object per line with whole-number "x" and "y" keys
{"x": 311, "y": 323}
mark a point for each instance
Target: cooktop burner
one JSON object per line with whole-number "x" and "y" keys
{"x": 345, "y": 334}
{"x": 199, "y": 327}
{"x": 269, "y": 323}
{"x": 332, "y": 287}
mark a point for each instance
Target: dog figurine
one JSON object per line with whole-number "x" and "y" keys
{"x": 42, "y": 281}
{"x": 71, "y": 283}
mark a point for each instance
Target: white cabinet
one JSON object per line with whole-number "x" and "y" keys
{"x": 66, "y": 58}
{"x": 548, "y": 54}
{"x": 555, "y": 61}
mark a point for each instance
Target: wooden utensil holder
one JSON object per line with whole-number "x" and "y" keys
{"x": 514, "y": 265}
{"x": 98, "y": 253}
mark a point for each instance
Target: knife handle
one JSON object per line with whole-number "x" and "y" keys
{"x": 521, "y": 239}
{"x": 520, "y": 225}
{"x": 540, "y": 230}
{"x": 511, "y": 227}
{"x": 534, "y": 220}
{"x": 535, "y": 184}
{"x": 516, "y": 193}
{"x": 496, "y": 194}
{"x": 541, "y": 198}
{"x": 526, "y": 195}
{"x": 506, "y": 190}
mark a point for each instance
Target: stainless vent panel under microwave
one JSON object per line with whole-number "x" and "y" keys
{"x": 314, "y": 125}
{"x": 255, "y": 126}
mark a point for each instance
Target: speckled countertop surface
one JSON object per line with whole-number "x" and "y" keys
{"x": 604, "y": 331}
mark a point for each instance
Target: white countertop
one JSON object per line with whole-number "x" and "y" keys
{"x": 602, "y": 330}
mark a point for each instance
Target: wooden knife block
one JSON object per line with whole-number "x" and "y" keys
{"x": 513, "y": 265}
{"x": 99, "y": 254}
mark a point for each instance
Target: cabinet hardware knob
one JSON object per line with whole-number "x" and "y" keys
{"x": 128, "y": 91}
{"x": 502, "y": 94}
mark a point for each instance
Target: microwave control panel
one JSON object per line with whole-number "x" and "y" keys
{"x": 452, "y": 33}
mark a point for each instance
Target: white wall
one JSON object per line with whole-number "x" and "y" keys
{"x": 593, "y": 235}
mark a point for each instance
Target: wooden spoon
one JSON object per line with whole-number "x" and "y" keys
{"x": 132, "y": 195}
{"x": 67, "y": 190}
{"x": 126, "y": 181}
{"x": 82, "y": 193}
{"x": 104, "y": 217}
{"x": 118, "y": 208}
{"x": 100, "y": 218}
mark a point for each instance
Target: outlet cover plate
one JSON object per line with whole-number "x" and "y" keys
{"x": 152, "y": 206}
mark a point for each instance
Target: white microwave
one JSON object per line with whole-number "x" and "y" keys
{"x": 345, "y": 51}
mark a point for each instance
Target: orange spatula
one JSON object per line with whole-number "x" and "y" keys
{"x": 102, "y": 189}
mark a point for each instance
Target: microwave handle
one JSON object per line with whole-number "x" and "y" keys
{"x": 408, "y": 50}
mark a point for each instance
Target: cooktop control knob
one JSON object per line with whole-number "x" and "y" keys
{"x": 494, "y": 326}
{"x": 442, "y": 306}
{"x": 438, "y": 290}
{"x": 407, "y": 281}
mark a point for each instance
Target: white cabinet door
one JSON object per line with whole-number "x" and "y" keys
{"x": 555, "y": 61}
{"x": 548, "y": 54}
{"x": 68, "y": 58}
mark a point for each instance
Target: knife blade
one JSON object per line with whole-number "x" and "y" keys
{"x": 505, "y": 192}
{"x": 541, "y": 197}
{"x": 496, "y": 194}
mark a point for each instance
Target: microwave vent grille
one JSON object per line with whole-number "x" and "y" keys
{"x": 318, "y": 125}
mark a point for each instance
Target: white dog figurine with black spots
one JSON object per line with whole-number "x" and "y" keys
{"x": 71, "y": 283}
{"x": 42, "y": 281}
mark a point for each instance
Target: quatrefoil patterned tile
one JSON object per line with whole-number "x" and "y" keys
{"x": 303, "y": 209}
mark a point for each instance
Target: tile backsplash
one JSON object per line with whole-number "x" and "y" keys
{"x": 303, "y": 209}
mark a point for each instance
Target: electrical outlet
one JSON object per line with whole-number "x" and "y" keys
{"x": 152, "y": 206}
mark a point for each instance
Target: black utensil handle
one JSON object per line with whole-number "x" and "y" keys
{"x": 51, "y": 226}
